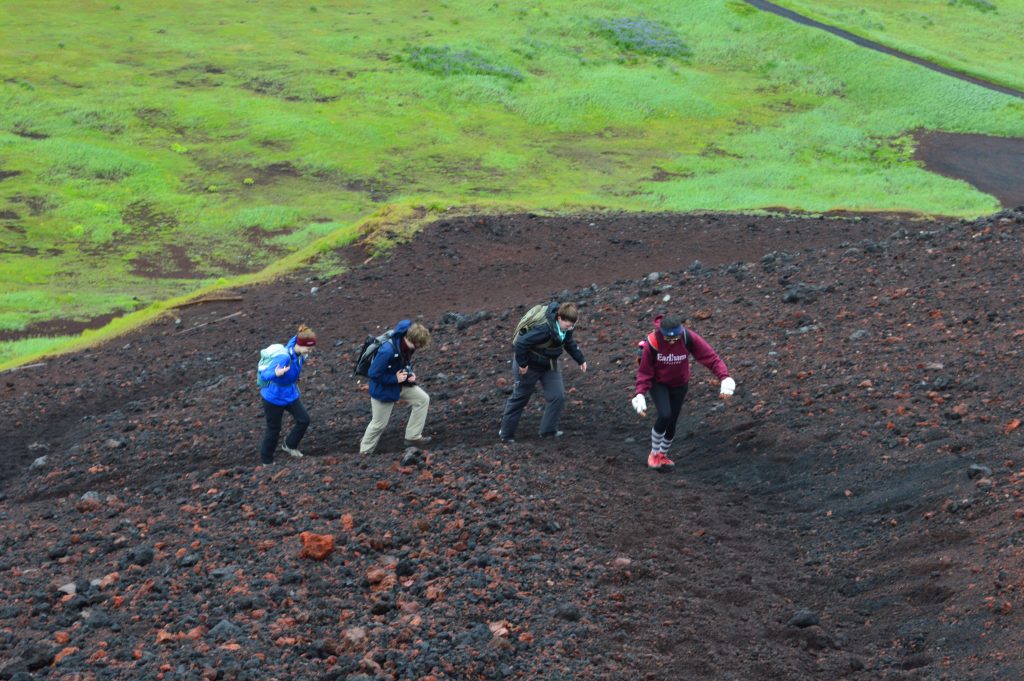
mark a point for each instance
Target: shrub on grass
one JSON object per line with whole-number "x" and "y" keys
{"x": 642, "y": 36}
{"x": 443, "y": 61}
{"x": 982, "y": 5}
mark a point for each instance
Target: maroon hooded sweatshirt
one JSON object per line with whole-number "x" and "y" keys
{"x": 670, "y": 365}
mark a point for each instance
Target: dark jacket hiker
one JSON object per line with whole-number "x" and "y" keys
{"x": 537, "y": 351}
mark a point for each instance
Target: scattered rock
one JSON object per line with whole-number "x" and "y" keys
{"x": 568, "y": 612}
{"x": 225, "y": 630}
{"x": 412, "y": 457}
{"x": 89, "y": 502}
{"x": 316, "y": 546}
{"x": 803, "y": 618}
{"x": 141, "y": 555}
{"x": 976, "y": 470}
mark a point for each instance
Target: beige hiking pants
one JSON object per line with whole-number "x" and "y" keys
{"x": 417, "y": 398}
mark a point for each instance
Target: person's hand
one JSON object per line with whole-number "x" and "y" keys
{"x": 282, "y": 370}
{"x": 402, "y": 375}
{"x": 523, "y": 370}
{"x": 640, "y": 404}
{"x": 728, "y": 388}
{"x": 410, "y": 378}
{"x": 583, "y": 367}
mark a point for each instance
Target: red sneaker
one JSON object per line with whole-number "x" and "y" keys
{"x": 654, "y": 460}
{"x": 665, "y": 461}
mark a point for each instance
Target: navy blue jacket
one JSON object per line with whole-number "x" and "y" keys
{"x": 541, "y": 346}
{"x": 388, "y": 361}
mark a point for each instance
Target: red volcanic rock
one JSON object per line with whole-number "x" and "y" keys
{"x": 316, "y": 546}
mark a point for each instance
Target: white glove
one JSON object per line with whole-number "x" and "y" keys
{"x": 728, "y": 386}
{"x": 640, "y": 404}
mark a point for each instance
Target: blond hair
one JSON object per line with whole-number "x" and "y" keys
{"x": 418, "y": 335}
{"x": 305, "y": 333}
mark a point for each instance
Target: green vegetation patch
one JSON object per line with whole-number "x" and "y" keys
{"x": 643, "y": 36}
{"x": 976, "y": 37}
{"x": 444, "y": 61}
{"x": 157, "y": 149}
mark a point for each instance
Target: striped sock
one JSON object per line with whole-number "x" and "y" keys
{"x": 666, "y": 444}
{"x": 657, "y": 441}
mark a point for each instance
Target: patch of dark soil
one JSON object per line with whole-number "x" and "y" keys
{"x": 29, "y": 134}
{"x": 155, "y": 117}
{"x": 174, "y": 262}
{"x": 20, "y": 250}
{"x": 995, "y": 165}
{"x": 58, "y": 327}
{"x": 9, "y": 215}
{"x": 662, "y": 175}
{"x": 37, "y": 205}
{"x": 273, "y": 172}
{"x": 142, "y": 214}
{"x": 4, "y": 174}
{"x": 850, "y": 513}
{"x": 260, "y": 239}
{"x": 521, "y": 257}
{"x": 377, "y": 189}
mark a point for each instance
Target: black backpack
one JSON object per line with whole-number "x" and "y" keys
{"x": 369, "y": 350}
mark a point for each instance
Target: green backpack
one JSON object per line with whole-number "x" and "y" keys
{"x": 534, "y": 316}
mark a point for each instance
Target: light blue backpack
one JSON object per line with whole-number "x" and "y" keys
{"x": 267, "y": 357}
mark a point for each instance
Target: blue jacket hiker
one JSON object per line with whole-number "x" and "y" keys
{"x": 392, "y": 379}
{"x": 537, "y": 350}
{"x": 280, "y": 393}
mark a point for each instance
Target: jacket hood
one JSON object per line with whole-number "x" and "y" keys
{"x": 552, "y": 313}
{"x": 290, "y": 345}
{"x": 402, "y": 326}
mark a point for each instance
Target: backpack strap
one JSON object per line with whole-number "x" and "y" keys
{"x": 652, "y": 341}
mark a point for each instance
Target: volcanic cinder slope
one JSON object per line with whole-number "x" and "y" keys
{"x": 853, "y": 512}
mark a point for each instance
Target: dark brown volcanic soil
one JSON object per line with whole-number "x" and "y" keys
{"x": 854, "y": 512}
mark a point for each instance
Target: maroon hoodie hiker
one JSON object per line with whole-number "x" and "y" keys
{"x": 670, "y": 364}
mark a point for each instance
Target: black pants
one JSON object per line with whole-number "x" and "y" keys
{"x": 274, "y": 414}
{"x": 669, "y": 402}
{"x": 525, "y": 385}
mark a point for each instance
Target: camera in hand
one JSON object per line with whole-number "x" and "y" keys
{"x": 408, "y": 370}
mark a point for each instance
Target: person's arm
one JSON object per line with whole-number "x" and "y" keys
{"x": 525, "y": 341}
{"x": 645, "y": 370}
{"x": 283, "y": 370}
{"x": 270, "y": 372}
{"x": 573, "y": 349}
{"x": 706, "y": 355}
{"x": 379, "y": 367}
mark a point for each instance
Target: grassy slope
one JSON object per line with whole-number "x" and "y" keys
{"x": 978, "y": 37}
{"x": 238, "y": 132}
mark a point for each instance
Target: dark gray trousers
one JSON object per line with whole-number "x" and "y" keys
{"x": 525, "y": 384}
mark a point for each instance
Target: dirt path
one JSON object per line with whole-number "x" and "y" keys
{"x": 994, "y": 165}
{"x": 766, "y": 6}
